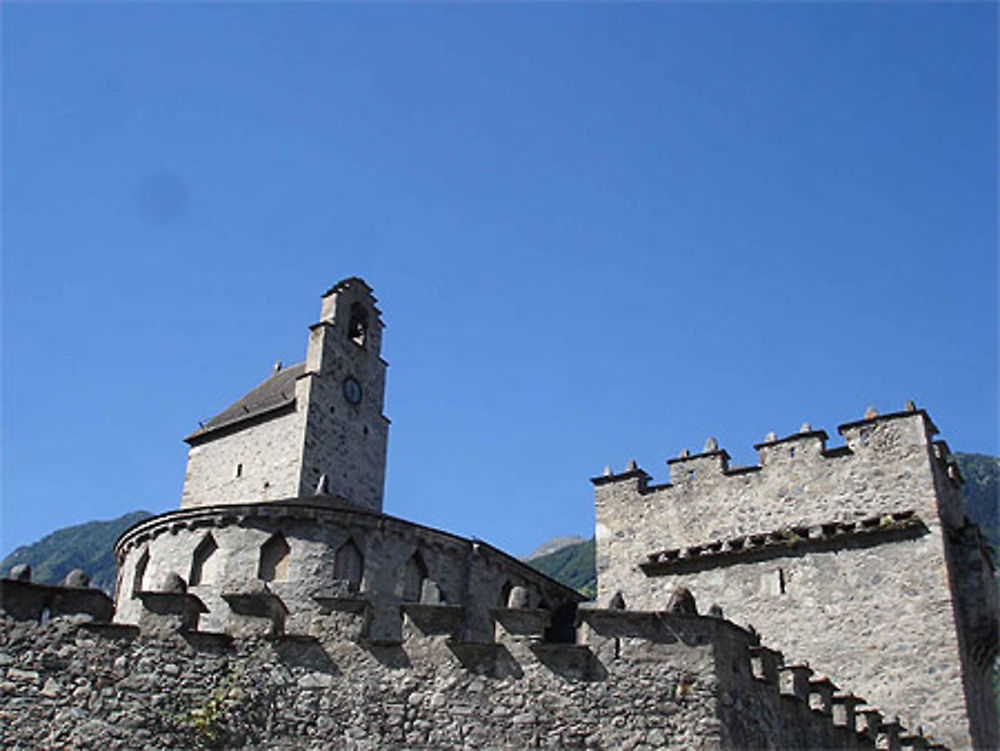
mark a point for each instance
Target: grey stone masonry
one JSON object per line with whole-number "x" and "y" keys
{"x": 307, "y": 554}
{"x": 279, "y": 608}
{"x": 630, "y": 680}
{"x": 860, "y": 557}
{"x": 316, "y": 424}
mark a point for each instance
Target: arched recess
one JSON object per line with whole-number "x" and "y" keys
{"x": 411, "y": 582}
{"x": 357, "y": 327}
{"x": 140, "y": 572}
{"x": 204, "y": 562}
{"x": 274, "y": 558}
{"x": 504, "y": 599}
{"x": 349, "y": 563}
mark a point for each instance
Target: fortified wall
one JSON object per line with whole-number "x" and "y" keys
{"x": 859, "y": 556}
{"x": 280, "y": 608}
{"x": 626, "y": 680}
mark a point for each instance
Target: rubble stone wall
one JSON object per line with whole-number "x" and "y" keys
{"x": 686, "y": 685}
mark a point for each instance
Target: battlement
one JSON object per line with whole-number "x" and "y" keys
{"x": 24, "y": 600}
{"x": 663, "y": 672}
{"x": 875, "y": 438}
{"x": 864, "y": 545}
{"x": 798, "y": 482}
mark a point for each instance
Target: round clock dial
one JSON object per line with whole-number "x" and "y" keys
{"x": 352, "y": 390}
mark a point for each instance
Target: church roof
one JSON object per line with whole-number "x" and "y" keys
{"x": 275, "y": 392}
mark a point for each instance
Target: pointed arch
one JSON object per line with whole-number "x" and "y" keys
{"x": 503, "y": 600}
{"x": 275, "y": 555}
{"x": 411, "y": 581}
{"x": 357, "y": 327}
{"x": 204, "y": 562}
{"x": 140, "y": 572}
{"x": 349, "y": 563}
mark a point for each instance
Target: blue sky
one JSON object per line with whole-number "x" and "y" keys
{"x": 596, "y": 231}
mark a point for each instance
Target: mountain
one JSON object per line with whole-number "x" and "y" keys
{"x": 574, "y": 565}
{"x": 86, "y": 546}
{"x": 551, "y": 546}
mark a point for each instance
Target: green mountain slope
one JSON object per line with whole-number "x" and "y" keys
{"x": 86, "y": 546}
{"x": 574, "y": 565}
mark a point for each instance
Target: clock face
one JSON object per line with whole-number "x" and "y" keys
{"x": 352, "y": 390}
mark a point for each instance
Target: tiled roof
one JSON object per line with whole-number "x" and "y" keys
{"x": 275, "y": 392}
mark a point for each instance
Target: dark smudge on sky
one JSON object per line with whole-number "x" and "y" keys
{"x": 162, "y": 198}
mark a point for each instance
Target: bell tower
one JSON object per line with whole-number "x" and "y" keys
{"x": 343, "y": 390}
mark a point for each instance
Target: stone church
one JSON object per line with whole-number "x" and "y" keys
{"x": 279, "y": 607}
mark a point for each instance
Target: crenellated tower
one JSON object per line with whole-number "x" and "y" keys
{"x": 860, "y": 556}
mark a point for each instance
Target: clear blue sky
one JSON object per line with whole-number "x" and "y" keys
{"x": 597, "y": 232}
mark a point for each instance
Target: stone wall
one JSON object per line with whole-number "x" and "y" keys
{"x": 451, "y": 569}
{"x": 269, "y": 453}
{"x": 345, "y": 442}
{"x": 638, "y": 681}
{"x": 846, "y": 553}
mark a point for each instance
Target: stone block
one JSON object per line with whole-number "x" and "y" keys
{"x": 795, "y": 681}
{"x": 255, "y": 612}
{"x": 844, "y": 710}
{"x": 530, "y": 622}
{"x": 23, "y": 600}
{"x": 167, "y": 613}
{"x": 870, "y": 720}
{"x": 821, "y": 692}
{"x": 764, "y": 664}
{"x": 435, "y": 620}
